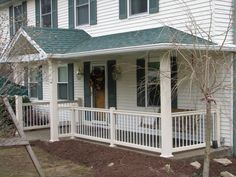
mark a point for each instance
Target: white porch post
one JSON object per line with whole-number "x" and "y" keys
{"x": 19, "y": 112}
{"x": 166, "y": 120}
{"x": 52, "y": 71}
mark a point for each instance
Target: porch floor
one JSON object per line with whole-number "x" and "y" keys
{"x": 44, "y": 135}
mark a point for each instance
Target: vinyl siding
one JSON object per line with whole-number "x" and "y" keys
{"x": 172, "y": 13}
{"x": 63, "y": 14}
{"x": 31, "y": 12}
{"x": 222, "y": 20}
{"x": 46, "y": 93}
{"x": 4, "y": 25}
{"x": 191, "y": 99}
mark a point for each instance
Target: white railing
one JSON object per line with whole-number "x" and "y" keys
{"x": 133, "y": 129}
{"x": 138, "y": 130}
{"x": 35, "y": 115}
{"x": 189, "y": 129}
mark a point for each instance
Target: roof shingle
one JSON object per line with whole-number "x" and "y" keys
{"x": 62, "y": 41}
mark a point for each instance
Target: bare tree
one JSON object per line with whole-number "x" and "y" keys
{"x": 206, "y": 67}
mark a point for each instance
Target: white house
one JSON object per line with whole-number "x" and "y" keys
{"x": 106, "y": 53}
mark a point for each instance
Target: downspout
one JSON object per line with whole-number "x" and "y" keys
{"x": 234, "y": 80}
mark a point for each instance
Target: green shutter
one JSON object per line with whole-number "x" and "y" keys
{"x": 153, "y": 6}
{"x": 37, "y": 12}
{"x": 111, "y": 84}
{"x": 122, "y": 9}
{"x": 24, "y": 7}
{"x": 40, "y": 83}
{"x": 11, "y": 20}
{"x": 71, "y": 14}
{"x": 174, "y": 75}
{"x": 71, "y": 81}
{"x": 140, "y": 73}
{"x": 54, "y": 14}
{"x": 87, "y": 94}
{"x": 93, "y": 12}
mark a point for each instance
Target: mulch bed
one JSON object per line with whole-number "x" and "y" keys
{"x": 126, "y": 163}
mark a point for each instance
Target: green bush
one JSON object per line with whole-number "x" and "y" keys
{"x": 7, "y": 127}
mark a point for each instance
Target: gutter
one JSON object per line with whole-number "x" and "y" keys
{"x": 150, "y": 47}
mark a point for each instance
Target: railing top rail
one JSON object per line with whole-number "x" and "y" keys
{"x": 89, "y": 109}
{"x": 185, "y": 113}
{"x": 36, "y": 103}
{"x": 67, "y": 101}
{"x": 139, "y": 113}
{"x": 48, "y": 102}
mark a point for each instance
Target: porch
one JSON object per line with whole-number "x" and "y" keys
{"x": 134, "y": 129}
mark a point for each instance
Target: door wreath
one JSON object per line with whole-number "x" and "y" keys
{"x": 97, "y": 79}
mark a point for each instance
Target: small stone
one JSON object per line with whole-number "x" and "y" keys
{"x": 223, "y": 161}
{"x": 110, "y": 164}
{"x": 196, "y": 165}
{"x": 226, "y": 174}
{"x": 167, "y": 168}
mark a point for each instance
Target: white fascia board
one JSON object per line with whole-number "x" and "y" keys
{"x": 163, "y": 46}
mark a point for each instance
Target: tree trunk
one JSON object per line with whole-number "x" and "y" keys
{"x": 206, "y": 166}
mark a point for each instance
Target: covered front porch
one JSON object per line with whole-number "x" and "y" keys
{"x": 117, "y": 92}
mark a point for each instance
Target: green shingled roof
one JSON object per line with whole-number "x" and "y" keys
{"x": 54, "y": 40}
{"x": 62, "y": 41}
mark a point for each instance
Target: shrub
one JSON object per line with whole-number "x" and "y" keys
{"x": 7, "y": 127}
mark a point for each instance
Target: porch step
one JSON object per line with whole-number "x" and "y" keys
{"x": 197, "y": 154}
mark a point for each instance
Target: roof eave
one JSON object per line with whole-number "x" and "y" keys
{"x": 150, "y": 47}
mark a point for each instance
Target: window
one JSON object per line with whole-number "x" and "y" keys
{"x": 46, "y": 13}
{"x": 18, "y": 17}
{"x": 82, "y": 12}
{"x": 135, "y": 7}
{"x": 153, "y": 84}
{"x": 33, "y": 84}
{"x": 138, "y": 6}
{"x": 63, "y": 82}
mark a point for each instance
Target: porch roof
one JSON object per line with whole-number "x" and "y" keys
{"x": 62, "y": 41}
{"x": 74, "y": 43}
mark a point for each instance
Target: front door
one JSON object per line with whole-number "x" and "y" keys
{"x": 99, "y": 86}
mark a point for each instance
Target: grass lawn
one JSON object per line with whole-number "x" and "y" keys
{"x": 15, "y": 162}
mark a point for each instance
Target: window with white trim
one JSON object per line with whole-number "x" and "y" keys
{"x": 82, "y": 12}
{"x": 138, "y": 6}
{"x": 46, "y": 13}
{"x": 63, "y": 82}
{"x": 153, "y": 84}
{"x": 33, "y": 84}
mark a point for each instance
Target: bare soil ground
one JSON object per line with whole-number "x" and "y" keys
{"x": 15, "y": 162}
{"x": 125, "y": 163}
{"x": 76, "y": 158}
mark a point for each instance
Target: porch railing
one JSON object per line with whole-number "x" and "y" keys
{"x": 36, "y": 115}
{"x": 189, "y": 129}
{"x": 135, "y": 129}
{"x": 140, "y": 130}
